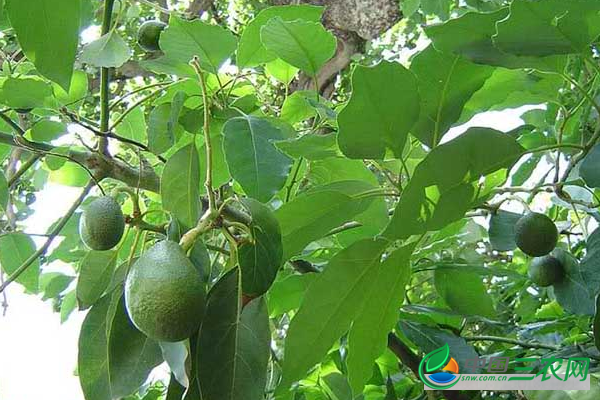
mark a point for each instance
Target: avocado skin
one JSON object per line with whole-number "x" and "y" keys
{"x": 164, "y": 293}
{"x": 149, "y": 35}
{"x": 535, "y": 234}
{"x": 545, "y": 271}
{"x": 102, "y": 224}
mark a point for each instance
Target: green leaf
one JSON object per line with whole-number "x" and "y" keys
{"x": 133, "y": 126}
{"x": 429, "y": 339}
{"x": 287, "y": 294}
{"x": 326, "y": 314}
{"x": 253, "y": 160}
{"x": 502, "y": 230}
{"x": 280, "y": 70}
{"x": 310, "y": 146}
{"x": 470, "y": 36}
{"x": 590, "y": 168}
{"x": 92, "y": 359}
{"x": 463, "y": 291}
{"x": 48, "y": 32}
{"x": 577, "y": 291}
{"x": 511, "y": 89}
{"x": 24, "y": 93}
{"x": 184, "y": 40}
{"x": 444, "y": 185}
{"x": 162, "y": 123}
{"x": 370, "y": 123}
{"x": 15, "y": 248}
{"x": 95, "y": 271}
{"x": 446, "y": 82}
{"x": 47, "y": 130}
{"x": 296, "y": 107}
{"x": 109, "y": 51}
{"x": 179, "y": 187}
{"x": 368, "y": 336}
{"x": 233, "y": 344}
{"x": 260, "y": 259}
{"x": 4, "y": 192}
{"x": 596, "y": 324}
{"x": 251, "y": 51}
{"x": 78, "y": 90}
{"x": 409, "y": 7}
{"x": 305, "y": 45}
{"x": 169, "y": 66}
{"x": 52, "y": 284}
{"x": 336, "y": 386}
{"x": 175, "y": 355}
{"x": 548, "y": 27}
{"x": 68, "y": 305}
{"x": 131, "y": 354}
{"x": 313, "y": 214}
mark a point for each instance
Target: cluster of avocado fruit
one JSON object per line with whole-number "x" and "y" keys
{"x": 536, "y": 235}
{"x": 164, "y": 293}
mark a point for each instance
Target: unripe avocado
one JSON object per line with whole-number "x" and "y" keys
{"x": 149, "y": 35}
{"x": 536, "y": 234}
{"x": 545, "y": 271}
{"x": 164, "y": 293}
{"x": 102, "y": 224}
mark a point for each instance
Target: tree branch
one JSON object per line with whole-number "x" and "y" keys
{"x": 51, "y": 236}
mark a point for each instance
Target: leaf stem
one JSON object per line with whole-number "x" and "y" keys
{"x": 105, "y": 81}
{"x": 51, "y": 236}
{"x": 208, "y": 184}
{"x": 290, "y": 187}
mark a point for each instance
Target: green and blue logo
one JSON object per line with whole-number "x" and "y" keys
{"x": 442, "y": 367}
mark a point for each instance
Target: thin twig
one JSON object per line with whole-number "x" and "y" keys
{"x": 52, "y": 235}
{"x": 527, "y": 345}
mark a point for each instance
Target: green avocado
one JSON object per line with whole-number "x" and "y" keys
{"x": 535, "y": 234}
{"x": 102, "y": 224}
{"x": 545, "y": 271}
{"x": 149, "y": 35}
{"x": 165, "y": 294}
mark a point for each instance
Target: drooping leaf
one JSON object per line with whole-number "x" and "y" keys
{"x": 52, "y": 284}
{"x": 92, "y": 358}
{"x": 280, "y": 70}
{"x": 577, "y": 291}
{"x": 313, "y": 214}
{"x": 48, "y": 32}
{"x": 548, "y": 27}
{"x": 590, "y": 168}
{"x": 260, "y": 260}
{"x": 463, "y": 292}
{"x": 310, "y": 146}
{"x": 371, "y": 122}
{"x": 329, "y": 307}
{"x": 253, "y": 160}
{"x": 444, "y": 185}
{"x": 446, "y": 82}
{"x": 47, "y": 130}
{"x": 162, "y": 124}
{"x": 109, "y": 51}
{"x": 233, "y": 344}
{"x": 368, "y": 336}
{"x": 24, "y": 93}
{"x": 184, "y": 40}
{"x": 251, "y": 51}
{"x": 95, "y": 272}
{"x": 15, "y": 249}
{"x": 131, "y": 354}
{"x": 502, "y": 230}
{"x": 180, "y": 184}
{"x": 287, "y": 294}
{"x": 429, "y": 339}
{"x": 470, "y": 36}
{"x": 303, "y": 44}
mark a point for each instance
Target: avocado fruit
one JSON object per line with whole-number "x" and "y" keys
{"x": 149, "y": 35}
{"x": 164, "y": 293}
{"x": 102, "y": 224}
{"x": 545, "y": 271}
{"x": 535, "y": 234}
